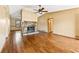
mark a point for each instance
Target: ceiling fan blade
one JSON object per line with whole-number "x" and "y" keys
{"x": 44, "y": 11}
{"x": 41, "y": 9}
{"x": 38, "y": 12}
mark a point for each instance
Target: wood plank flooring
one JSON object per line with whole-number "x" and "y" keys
{"x": 39, "y": 43}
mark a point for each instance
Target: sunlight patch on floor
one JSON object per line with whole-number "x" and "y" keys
{"x": 18, "y": 37}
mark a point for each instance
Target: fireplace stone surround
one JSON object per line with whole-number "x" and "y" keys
{"x": 29, "y": 27}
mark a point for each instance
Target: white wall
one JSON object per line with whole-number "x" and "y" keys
{"x": 15, "y": 10}
{"x": 42, "y": 22}
{"x": 28, "y": 15}
{"x": 64, "y": 22}
{"x": 4, "y": 24}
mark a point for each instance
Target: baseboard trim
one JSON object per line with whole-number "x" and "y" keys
{"x": 64, "y": 36}
{"x": 77, "y": 37}
{"x": 42, "y": 31}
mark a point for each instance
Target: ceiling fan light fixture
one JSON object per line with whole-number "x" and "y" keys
{"x": 41, "y": 10}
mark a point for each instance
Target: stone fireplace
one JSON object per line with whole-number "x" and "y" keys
{"x": 29, "y": 27}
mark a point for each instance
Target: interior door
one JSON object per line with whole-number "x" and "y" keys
{"x": 50, "y": 24}
{"x": 77, "y": 26}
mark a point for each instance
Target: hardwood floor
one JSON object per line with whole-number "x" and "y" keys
{"x": 39, "y": 43}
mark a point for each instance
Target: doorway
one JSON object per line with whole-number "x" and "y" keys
{"x": 50, "y": 25}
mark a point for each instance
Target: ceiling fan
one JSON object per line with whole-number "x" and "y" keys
{"x": 40, "y": 10}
